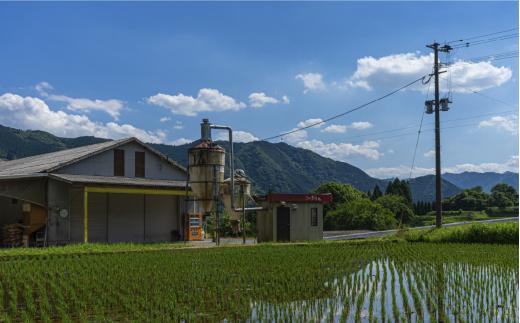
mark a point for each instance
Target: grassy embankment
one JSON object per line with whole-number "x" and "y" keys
{"x": 500, "y": 233}
{"x": 459, "y": 216}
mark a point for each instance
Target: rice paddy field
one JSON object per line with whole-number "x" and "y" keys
{"x": 327, "y": 282}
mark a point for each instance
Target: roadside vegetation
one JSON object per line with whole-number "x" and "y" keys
{"x": 375, "y": 210}
{"x": 498, "y": 233}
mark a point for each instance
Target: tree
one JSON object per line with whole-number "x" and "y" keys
{"x": 402, "y": 188}
{"x": 376, "y": 193}
{"x": 473, "y": 199}
{"x": 500, "y": 199}
{"x": 341, "y": 193}
{"x": 398, "y": 206}
{"x": 508, "y": 190}
{"x": 362, "y": 214}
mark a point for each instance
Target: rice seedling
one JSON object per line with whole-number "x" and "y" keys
{"x": 374, "y": 282}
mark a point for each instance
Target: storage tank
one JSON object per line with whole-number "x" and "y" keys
{"x": 206, "y": 170}
{"x": 240, "y": 181}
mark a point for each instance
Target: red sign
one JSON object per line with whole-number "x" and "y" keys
{"x": 299, "y": 198}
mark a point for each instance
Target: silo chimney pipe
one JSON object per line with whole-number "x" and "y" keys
{"x": 206, "y": 133}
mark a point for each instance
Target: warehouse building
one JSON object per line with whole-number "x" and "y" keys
{"x": 116, "y": 191}
{"x": 291, "y": 217}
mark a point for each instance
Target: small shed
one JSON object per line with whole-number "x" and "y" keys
{"x": 291, "y": 217}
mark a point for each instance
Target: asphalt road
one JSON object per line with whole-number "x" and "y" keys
{"x": 374, "y": 234}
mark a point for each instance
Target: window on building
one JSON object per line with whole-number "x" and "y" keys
{"x": 139, "y": 164}
{"x": 314, "y": 216}
{"x": 119, "y": 162}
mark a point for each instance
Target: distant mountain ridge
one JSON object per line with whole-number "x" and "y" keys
{"x": 272, "y": 167}
{"x": 486, "y": 180}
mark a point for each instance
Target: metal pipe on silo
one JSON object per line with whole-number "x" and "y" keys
{"x": 232, "y": 166}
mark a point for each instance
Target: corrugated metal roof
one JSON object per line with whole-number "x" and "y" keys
{"x": 52, "y": 161}
{"x": 46, "y": 162}
{"x": 116, "y": 180}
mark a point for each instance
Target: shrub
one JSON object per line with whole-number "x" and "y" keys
{"x": 398, "y": 205}
{"x": 502, "y": 211}
{"x": 361, "y": 214}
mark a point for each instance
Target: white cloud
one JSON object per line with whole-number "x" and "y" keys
{"x": 468, "y": 77}
{"x": 311, "y": 82}
{"x": 259, "y": 99}
{"x": 335, "y": 128}
{"x": 238, "y": 136}
{"x": 34, "y": 113}
{"x": 310, "y": 122}
{"x": 341, "y": 151}
{"x": 387, "y": 71}
{"x": 181, "y": 141}
{"x": 206, "y": 100}
{"x": 361, "y": 125}
{"x": 429, "y": 153}
{"x": 112, "y": 107}
{"x": 509, "y": 124}
{"x": 295, "y": 137}
{"x": 510, "y": 165}
{"x": 43, "y": 88}
{"x": 165, "y": 119}
{"x": 403, "y": 171}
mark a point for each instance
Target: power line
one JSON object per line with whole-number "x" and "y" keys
{"x": 481, "y": 36}
{"x": 495, "y": 55}
{"x": 491, "y": 57}
{"x": 485, "y": 41}
{"x": 418, "y": 135}
{"x": 500, "y": 113}
{"x": 497, "y": 100}
{"x": 414, "y": 132}
{"x": 416, "y": 145}
{"x": 349, "y": 111}
{"x": 414, "y": 125}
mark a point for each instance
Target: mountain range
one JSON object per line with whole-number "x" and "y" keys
{"x": 273, "y": 167}
{"x": 485, "y": 180}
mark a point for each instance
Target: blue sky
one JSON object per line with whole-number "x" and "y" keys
{"x": 154, "y": 70}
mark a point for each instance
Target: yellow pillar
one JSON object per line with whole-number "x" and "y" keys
{"x": 85, "y": 215}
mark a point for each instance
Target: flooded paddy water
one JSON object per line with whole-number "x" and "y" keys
{"x": 388, "y": 290}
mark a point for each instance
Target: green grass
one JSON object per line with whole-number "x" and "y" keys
{"x": 454, "y": 216}
{"x": 304, "y": 282}
{"x": 90, "y": 248}
{"x": 502, "y": 233}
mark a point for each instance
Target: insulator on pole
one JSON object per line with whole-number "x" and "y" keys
{"x": 428, "y": 106}
{"x": 445, "y": 104}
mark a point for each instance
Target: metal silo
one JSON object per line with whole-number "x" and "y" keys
{"x": 242, "y": 191}
{"x": 206, "y": 162}
{"x": 206, "y": 171}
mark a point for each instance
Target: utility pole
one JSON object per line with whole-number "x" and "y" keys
{"x": 437, "y": 101}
